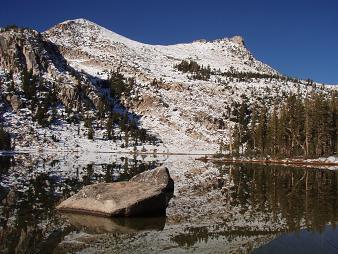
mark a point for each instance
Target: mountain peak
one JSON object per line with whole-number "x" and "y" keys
{"x": 109, "y": 49}
{"x": 79, "y": 21}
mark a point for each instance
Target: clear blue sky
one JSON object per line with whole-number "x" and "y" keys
{"x": 297, "y": 37}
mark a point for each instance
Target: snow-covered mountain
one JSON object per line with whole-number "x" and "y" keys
{"x": 93, "y": 48}
{"x": 185, "y": 113}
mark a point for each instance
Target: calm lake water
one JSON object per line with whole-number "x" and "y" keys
{"x": 220, "y": 208}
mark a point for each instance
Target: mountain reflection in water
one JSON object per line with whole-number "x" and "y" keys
{"x": 216, "y": 209}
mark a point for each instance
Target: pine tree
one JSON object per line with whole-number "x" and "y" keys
{"x": 88, "y": 123}
{"x": 126, "y": 138}
{"x": 252, "y": 140}
{"x": 322, "y": 123}
{"x": 295, "y": 124}
{"x": 334, "y": 122}
{"x": 91, "y": 133}
{"x": 272, "y": 133}
{"x": 102, "y": 107}
{"x": 261, "y": 131}
{"x": 236, "y": 141}
{"x": 299, "y": 127}
{"x": 109, "y": 127}
{"x": 5, "y": 140}
{"x": 243, "y": 121}
{"x": 41, "y": 116}
{"x": 309, "y": 127}
{"x": 124, "y": 122}
{"x": 28, "y": 83}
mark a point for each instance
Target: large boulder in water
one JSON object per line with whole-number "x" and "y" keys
{"x": 146, "y": 194}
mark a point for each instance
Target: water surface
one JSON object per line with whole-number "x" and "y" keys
{"x": 216, "y": 208}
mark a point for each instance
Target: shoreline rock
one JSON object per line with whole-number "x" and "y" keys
{"x": 146, "y": 194}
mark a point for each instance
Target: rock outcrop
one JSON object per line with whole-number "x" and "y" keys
{"x": 26, "y": 49}
{"x": 239, "y": 40}
{"x": 146, "y": 194}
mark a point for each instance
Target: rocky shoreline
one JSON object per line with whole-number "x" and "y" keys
{"x": 331, "y": 162}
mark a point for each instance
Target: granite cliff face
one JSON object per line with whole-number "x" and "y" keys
{"x": 23, "y": 49}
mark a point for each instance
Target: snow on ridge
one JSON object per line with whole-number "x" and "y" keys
{"x": 85, "y": 22}
{"x": 219, "y": 54}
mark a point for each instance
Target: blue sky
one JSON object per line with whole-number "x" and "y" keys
{"x": 297, "y": 37}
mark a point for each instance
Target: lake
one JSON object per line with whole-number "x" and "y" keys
{"x": 216, "y": 208}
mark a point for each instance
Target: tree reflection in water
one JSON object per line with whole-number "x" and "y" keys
{"x": 304, "y": 197}
{"x": 301, "y": 198}
{"x": 29, "y": 194}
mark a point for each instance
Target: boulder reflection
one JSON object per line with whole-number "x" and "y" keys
{"x": 100, "y": 225}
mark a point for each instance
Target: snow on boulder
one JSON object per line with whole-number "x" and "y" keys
{"x": 146, "y": 194}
